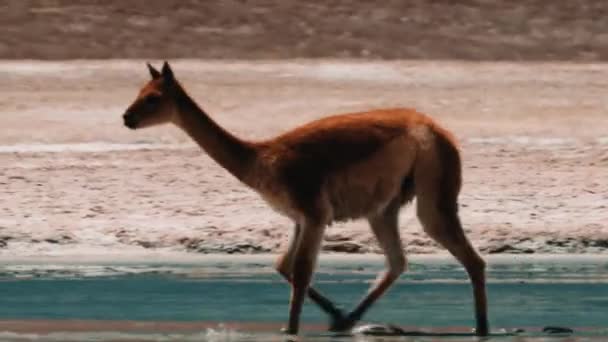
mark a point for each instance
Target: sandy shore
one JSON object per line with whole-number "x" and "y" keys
{"x": 99, "y": 330}
{"x": 54, "y": 326}
{"x": 534, "y": 138}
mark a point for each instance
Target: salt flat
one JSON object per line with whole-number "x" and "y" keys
{"x": 533, "y": 138}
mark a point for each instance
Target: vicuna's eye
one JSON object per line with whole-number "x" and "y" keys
{"x": 152, "y": 100}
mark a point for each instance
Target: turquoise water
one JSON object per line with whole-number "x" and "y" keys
{"x": 433, "y": 294}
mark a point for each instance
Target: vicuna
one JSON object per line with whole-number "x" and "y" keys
{"x": 350, "y": 166}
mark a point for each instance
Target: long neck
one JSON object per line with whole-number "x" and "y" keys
{"x": 233, "y": 154}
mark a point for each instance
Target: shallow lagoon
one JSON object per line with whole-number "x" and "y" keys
{"x": 241, "y": 298}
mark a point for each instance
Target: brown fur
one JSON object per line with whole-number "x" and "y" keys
{"x": 348, "y": 166}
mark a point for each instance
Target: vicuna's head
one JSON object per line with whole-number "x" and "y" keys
{"x": 155, "y": 102}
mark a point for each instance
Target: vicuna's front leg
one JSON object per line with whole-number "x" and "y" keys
{"x": 386, "y": 230}
{"x": 304, "y": 262}
{"x": 285, "y": 265}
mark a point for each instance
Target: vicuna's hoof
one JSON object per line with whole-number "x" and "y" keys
{"x": 343, "y": 323}
{"x": 481, "y": 331}
{"x": 289, "y": 336}
{"x": 285, "y": 331}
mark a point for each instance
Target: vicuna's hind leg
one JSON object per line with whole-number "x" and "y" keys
{"x": 385, "y": 228}
{"x": 440, "y": 220}
{"x": 284, "y": 266}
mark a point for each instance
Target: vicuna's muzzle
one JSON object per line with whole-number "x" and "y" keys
{"x": 130, "y": 120}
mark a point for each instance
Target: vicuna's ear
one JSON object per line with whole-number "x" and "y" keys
{"x": 153, "y": 72}
{"x": 167, "y": 72}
